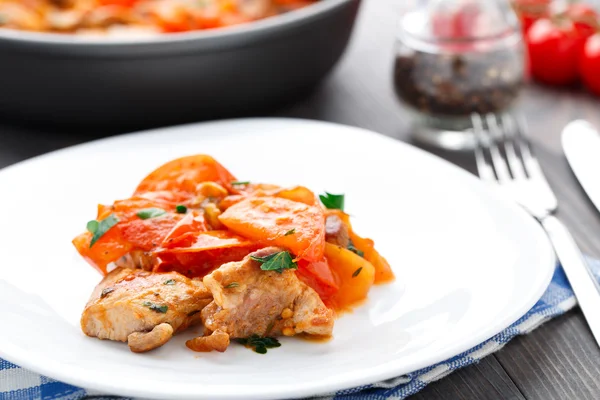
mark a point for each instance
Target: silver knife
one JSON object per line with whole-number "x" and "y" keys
{"x": 581, "y": 143}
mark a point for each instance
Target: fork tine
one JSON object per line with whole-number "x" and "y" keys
{"x": 499, "y": 164}
{"x": 532, "y": 166}
{"x": 484, "y": 169}
{"x": 516, "y": 167}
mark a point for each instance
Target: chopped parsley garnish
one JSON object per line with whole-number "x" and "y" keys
{"x": 106, "y": 292}
{"x": 355, "y": 250}
{"x": 148, "y": 213}
{"x": 355, "y": 274}
{"x": 232, "y": 285}
{"x": 181, "y": 209}
{"x": 99, "y": 228}
{"x": 290, "y": 232}
{"x": 332, "y": 201}
{"x": 235, "y": 183}
{"x": 170, "y": 282}
{"x": 276, "y": 262}
{"x": 259, "y": 344}
{"x": 155, "y": 307}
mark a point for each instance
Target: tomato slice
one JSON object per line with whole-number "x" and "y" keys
{"x": 130, "y": 233}
{"x": 320, "y": 278}
{"x": 208, "y": 251}
{"x": 280, "y": 222}
{"x": 122, "y": 3}
{"x": 148, "y": 234}
{"x": 110, "y": 247}
{"x": 187, "y": 227}
{"x": 168, "y": 198}
{"x": 184, "y": 174}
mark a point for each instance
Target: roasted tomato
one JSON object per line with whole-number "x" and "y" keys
{"x": 184, "y": 175}
{"x": 111, "y": 246}
{"x": 130, "y": 232}
{"x": 187, "y": 227}
{"x": 148, "y": 234}
{"x": 319, "y": 276}
{"x": 203, "y": 252}
{"x": 280, "y": 222}
{"x": 123, "y": 3}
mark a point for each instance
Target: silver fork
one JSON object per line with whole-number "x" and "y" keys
{"x": 518, "y": 174}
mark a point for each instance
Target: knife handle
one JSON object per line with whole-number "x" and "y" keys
{"x": 578, "y": 272}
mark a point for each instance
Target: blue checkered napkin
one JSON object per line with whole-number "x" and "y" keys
{"x": 20, "y": 384}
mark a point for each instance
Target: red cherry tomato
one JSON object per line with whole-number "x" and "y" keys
{"x": 590, "y": 64}
{"x": 554, "y": 51}
{"x": 530, "y": 11}
{"x": 584, "y": 17}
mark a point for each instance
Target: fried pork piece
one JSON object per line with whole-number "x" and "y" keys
{"x": 137, "y": 305}
{"x": 248, "y": 300}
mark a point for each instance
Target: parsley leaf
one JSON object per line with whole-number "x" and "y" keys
{"x": 235, "y": 183}
{"x": 181, "y": 209}
{"x": 170, "y": 282}
{"x": 332, "y": 201}
{"x": 355, "y": 274}
{"x": 232, "y": 285}
{"x": 290, "y": 232}
{"x": 155, "y": 307}
{"x": 276, "y": 262}
{"x": 260, "y": 344}
{"x": 355, "y": 250}
{"x": 99, "y": 228}
{"x": 148, "y": 213}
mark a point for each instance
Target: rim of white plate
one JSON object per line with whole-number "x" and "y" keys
{"x": 71, "y": 374}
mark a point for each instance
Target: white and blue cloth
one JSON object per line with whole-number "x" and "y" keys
{"x": 19, "y": 384}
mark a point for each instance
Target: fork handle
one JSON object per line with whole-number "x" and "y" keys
{"x": 578, "y": 272}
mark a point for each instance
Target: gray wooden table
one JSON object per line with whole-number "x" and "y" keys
{"x": 560, "y": 360}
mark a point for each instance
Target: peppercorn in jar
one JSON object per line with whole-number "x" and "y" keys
{"x": 455, "y": 58}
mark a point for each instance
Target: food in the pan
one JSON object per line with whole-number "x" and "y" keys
{"x": 137, "y": 17}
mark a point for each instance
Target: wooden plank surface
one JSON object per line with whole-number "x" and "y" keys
{"x": 560, "y": 360}
{"x": 484, "y": 381}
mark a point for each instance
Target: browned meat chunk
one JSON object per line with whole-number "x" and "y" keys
{"x": 248, "y": 300}
{"x": 129, "y": 301}
{"x": 336, "y": 231}
{"x": 218, "y": 341}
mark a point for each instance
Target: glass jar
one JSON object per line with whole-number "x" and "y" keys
{"x": 454, "y": 58}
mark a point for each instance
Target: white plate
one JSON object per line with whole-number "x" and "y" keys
{"x": 467, "y": 262}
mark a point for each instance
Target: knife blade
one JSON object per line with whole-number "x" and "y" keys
{"x": 581, "y": 144}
